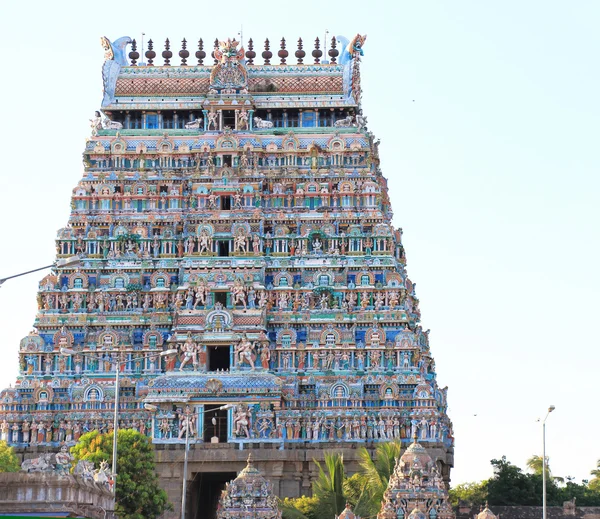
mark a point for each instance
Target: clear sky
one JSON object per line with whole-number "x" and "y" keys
{"x": 489, "y": 115}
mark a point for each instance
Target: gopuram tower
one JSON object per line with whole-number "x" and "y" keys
{"x": 239, "y": 270}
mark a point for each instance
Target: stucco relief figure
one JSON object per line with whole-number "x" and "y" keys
{"x": 96, "y": 123}
{"x": 240, "y": 244}
{"x": 186, "y": 423}
{"x": 238, "y": 293}
{"x": 63, "y": 461}
{"x": 190, "y": 353}
{"x": 265, "y": 356}
{"x": 245, "y": 352}
{"x": 346, "y": 122}
{"x": 242, "y": 120}
{"x": 262, "y": 124}
{"x": 241, "y": 421}
{"x": 200, "y": 296}
{"x": 107, "y": 124}
{"x": 196, "y": 124}
{"x": 213, "y": 121}
{"x": 205, "y": 240}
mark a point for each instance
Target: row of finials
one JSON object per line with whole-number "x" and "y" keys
{"x": 200, "y": 54}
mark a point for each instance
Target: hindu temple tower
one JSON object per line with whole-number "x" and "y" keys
{"x": 236, "y": 214}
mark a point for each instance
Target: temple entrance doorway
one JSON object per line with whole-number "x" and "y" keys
{"x": 206, "y": 491}
{"x": 215, "y": 423}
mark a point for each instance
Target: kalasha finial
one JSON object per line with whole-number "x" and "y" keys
{"x": 167, "y": 54}
{"x": 184, "y": 54}
{"x": 200, "y": 54}
{"x": 150, "y": 54}
{"x": 300, "y": 53}
{"x": 317, "y": 53}
{"x": 213, "y": 52}
{"x": 267, "y": 54}
{"x": 283, "y": 53}
{"x": 134, "y": 55}
{"x": 333, "y": 52}
{"x": 249, "y": 460}
{"x": 250, "y": 54}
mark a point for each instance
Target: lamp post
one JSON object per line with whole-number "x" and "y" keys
{"x": 72, "y": 261}
{"x": 550, "y": 409}
{"x": 69, "y": 352}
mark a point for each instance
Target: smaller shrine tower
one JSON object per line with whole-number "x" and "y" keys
{"x": 416, "y": 489}
{"x": 248, "y": 495}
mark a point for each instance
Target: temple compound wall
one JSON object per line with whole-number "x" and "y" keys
{"x": 238, "y": 273}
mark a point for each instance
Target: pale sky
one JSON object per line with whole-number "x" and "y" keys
{"x": 488, "y": 116}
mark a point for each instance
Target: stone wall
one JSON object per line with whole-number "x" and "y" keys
{"x": 22, "y": 493}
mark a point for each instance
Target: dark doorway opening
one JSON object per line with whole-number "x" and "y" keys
{"x": 223, "y": 247}
{"x": 215, "y": 423}
{"x": 206, "y": 493}
{"x": 218, "y": 358}
{"x": 221, "y": 297}
{"x": 225, "y": 203}
{"x": 227, "y": 160}
{"x": 228, "y": 118}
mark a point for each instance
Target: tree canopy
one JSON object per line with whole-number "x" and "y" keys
{"x": 511, "y": 486}
{"x": 138, "y": 493}
{"x": 8, "y": 459}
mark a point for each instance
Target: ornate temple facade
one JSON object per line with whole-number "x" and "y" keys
{"x": 239, "y": 269}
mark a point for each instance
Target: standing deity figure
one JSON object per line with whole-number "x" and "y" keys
{"x": 238, "y": 293}
{"x": 242, "y": 119}
{"x": 394, "y": 298}
{"x": 213, "y": 120}
{"x": 240, "y": 244}
{"x": 262, "y": 299}
{"x": 200, "y": 295}
{"x": 256, "y": 244}
{"x": 241, "y": 421}
{"x": 379, "y": 301}
{"x": 189, "y": 350}
{"x": 265, "y": 356}
{"x": 204, "y": 241}
{"x": 245, "y": 353}
{"x": 186, "y": 422}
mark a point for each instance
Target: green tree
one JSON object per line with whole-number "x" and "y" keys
{"x": 329, "y": 485}
{"x": 138, "y": 494}
{"x": 596, "y": 471}
{"x": 8, "y": 459}
{"x": 475, "y": 493}
{"x": 299, "y": 507}
{"x": 510, "y": 486}
{"x": 365, "y": 489}
{"x": 536, "y": 465}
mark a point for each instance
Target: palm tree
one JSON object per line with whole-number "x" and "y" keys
{"x": 536, "y": 465}
{"x": 370, "y": 483}
{"x": 329, "y": 485}
{"x": 596, "y": 471}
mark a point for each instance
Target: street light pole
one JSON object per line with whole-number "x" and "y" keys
{"x": 550, "y": 409}
{"x": 116, "y": 422}
{"x": 185, "y": 466}
{"x": 67, "y": 262}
